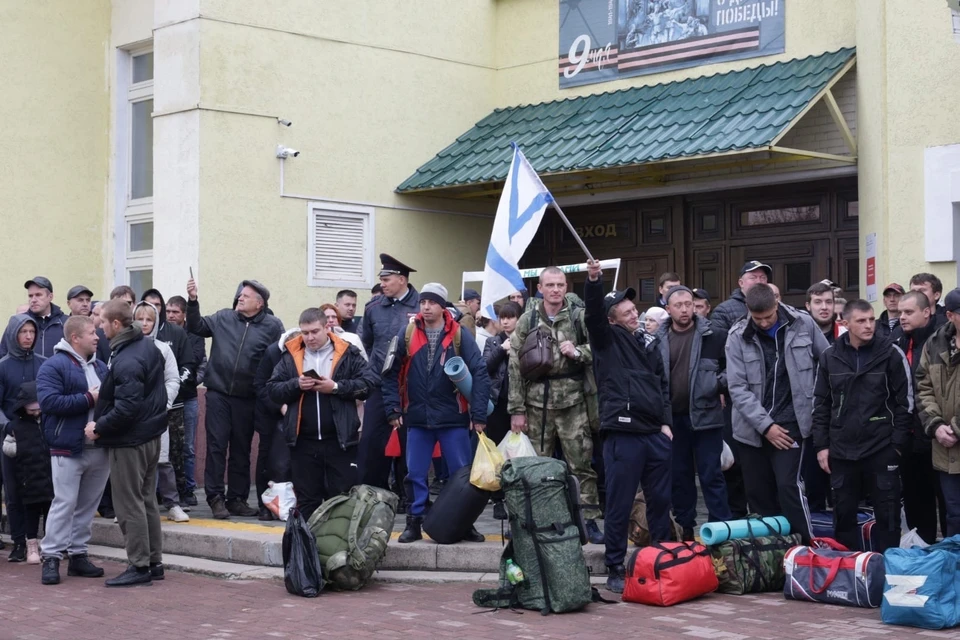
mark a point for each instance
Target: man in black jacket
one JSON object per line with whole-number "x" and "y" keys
{"x": 922, "y": 493}
{"x": 383, "y": 317}
{"x": 273, "y": 454}
{"x": 176, "y": 311}
{"x": 48, "y": 316}
{"x": 862, "y": 412}
{"x": 725, "y": 315}
{"x": 635, "y": 418}
{"x": 130, "y": 417}
{"x": 240, "y": 336}
{"x": 320, "y": 378}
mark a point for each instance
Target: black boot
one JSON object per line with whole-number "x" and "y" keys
{"x": 50, "y": 572}
{"x": 473, "y": 536}
{"x": 19, "y": 552}
{"x": 412, "y": 532}
{"x": 131, "y": 577}
{"x": 594, "y": 535}
{"x": 81, "y": 566}
{"x": 239, "y": 508}
{"x": 266, "y": 515}
{"x": 615, "y": 578}
{"x": 219, "y": 508}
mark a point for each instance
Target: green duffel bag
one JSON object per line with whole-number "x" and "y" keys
{"x": 352, "y": 532}
{"x": 752, "y": 565}
{"x": 546, "y": 544}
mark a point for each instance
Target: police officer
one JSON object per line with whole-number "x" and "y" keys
{"x": 398, "y": 304}
{"x": 554, "y": 407}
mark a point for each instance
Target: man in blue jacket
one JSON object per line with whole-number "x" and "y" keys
{"x": 418, "y": 394}
{"x": 68, "y": 384}
{"x": 635, "y": 419}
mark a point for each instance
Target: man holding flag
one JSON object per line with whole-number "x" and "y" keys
{"x": 553, "y": 407}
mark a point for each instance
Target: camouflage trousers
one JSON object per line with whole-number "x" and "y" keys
{"x": 571, "y": 427}
{"x": 177, "y": 446}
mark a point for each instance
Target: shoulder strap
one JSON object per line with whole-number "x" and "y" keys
{"x": 534, "y": 320}
{"x": 408, "y": 335}
{"x": 365, "y": 501}
{"x": 576, "y": 315}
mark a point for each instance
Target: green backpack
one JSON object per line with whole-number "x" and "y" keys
{"x": 352, "y": 532}
{"x": 542, "y": 499}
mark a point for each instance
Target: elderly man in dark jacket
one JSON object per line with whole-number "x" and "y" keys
{"x": 68, "y": 385}
{"x": 240, "y": 337}
{"x": 131, "y": 416}
{"x": 694, "y": 363}
{"x": 319, "y": 378}
{"x": 421, "y": 398}
{"x": 18, "y": 366}
{"x": 383, "y": 317}
{"x": 635, "y": 419}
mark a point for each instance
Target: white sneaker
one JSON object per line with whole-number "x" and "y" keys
{"x": 177, "y": 515}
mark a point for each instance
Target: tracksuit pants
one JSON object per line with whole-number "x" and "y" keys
{"x": 321, "y": 469}
{"x": 880, "y": 473}
{"x": 697, "y": 453}
{"x": 631, "y": 460}
{"x": 773, "y": 483}
{"x": 78, "y": 483}
{"x": 229, "y": 425}
{"x": 455, "y": 448}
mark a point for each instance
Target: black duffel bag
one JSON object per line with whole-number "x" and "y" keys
{"x": 456, "y": 509}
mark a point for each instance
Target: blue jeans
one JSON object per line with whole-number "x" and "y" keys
{"x": 191, "y": 411}
{"x": 454, "y": 447}
{"x": 697, "y": 453}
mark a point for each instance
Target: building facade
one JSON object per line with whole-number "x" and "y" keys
{"x": 147, "y": 140}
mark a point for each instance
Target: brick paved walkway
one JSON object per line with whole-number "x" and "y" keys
{"x": 188, "y": 607}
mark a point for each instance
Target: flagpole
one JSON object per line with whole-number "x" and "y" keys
{"x": 573, "y": 231}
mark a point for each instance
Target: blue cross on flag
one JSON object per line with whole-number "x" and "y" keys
{"x": 519, "y": 213}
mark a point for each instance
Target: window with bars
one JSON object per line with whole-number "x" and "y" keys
{"x": 340, "y": 246}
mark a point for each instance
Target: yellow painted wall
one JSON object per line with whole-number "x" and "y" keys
{"x": 922, "y": 91}
{"x": 367, "y": 112}
{"x": 527, "y": 49}
{"x": 54, "y": 121}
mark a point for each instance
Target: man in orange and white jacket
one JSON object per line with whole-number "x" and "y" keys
{"x": 319, "y": 379}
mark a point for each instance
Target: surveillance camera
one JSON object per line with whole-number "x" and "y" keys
{"x": 286, "y": 152}
{"x": 285, "y": 123}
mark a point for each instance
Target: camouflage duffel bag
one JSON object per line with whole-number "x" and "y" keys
{"x": 752, "y": 565}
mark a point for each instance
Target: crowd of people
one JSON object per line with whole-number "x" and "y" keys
{"x": 825, "y": 406}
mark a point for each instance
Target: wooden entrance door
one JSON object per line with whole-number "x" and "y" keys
{"x": 643, "y": 274}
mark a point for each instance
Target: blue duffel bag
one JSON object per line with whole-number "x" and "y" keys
{"x": 923, "y": 586}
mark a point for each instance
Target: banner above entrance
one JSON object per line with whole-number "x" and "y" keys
{"x": 603, "y": 40}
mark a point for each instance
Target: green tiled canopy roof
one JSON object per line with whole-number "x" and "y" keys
{"x": 734, "y": 111}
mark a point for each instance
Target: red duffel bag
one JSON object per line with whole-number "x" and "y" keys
{"x": 667, "y": 573}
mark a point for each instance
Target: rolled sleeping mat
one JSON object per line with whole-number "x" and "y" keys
{"x": 717, "y": 532}
{"x": 456, "y": 369}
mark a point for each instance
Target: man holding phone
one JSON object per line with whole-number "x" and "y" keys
{"x": 319, "y": 378}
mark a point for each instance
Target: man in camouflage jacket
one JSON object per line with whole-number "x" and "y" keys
{"x": 554, "y": 406}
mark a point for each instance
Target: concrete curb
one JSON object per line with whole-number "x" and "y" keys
{"x": 256, "y": 548}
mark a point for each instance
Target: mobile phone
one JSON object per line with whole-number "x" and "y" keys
{"x": 310, "y": 373}
{"x": 191, "y": 272}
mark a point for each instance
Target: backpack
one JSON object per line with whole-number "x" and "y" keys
{"x": 547, "y": 538}
{"x": 352, "y": 532}
{"x": 639, "y": 532}
{"x": 536, "y": 355}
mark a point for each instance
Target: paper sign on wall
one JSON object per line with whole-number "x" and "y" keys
{"x": 871, "y": 267}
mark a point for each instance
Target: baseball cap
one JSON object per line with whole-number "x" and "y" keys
{"x": 753, "y": 265}
{"x": 614, "y": 298}
{"x": 77, "y": 290}
{"x": 470, "y": 294}
{"x": 952, "y": 301}
{"x": 39, "y": 281}
{"x": 893, "y": 286}
{"x": 701, "y": 294}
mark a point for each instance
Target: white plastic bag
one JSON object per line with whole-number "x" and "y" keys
{"x": 279, "y": 498}
{"x": 726, "y": 457}
{"x": 516, "y": 445}
{"x": 912, "y": 539}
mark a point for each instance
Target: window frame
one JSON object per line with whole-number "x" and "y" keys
{"x": 367, "y": 214}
